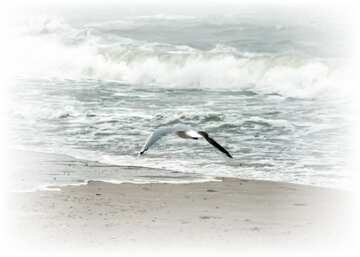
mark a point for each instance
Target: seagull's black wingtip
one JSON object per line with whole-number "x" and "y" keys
{"x": 142, "y": 152}
{"x": 229, "y": 155}
{"x": 214, "y": 143}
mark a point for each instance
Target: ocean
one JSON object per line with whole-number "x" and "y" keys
{"x": 270, "y": 86}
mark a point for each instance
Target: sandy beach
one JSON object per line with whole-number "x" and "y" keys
{"x": 227, "y": 216}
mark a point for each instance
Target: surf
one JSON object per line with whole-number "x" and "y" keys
{"x": 63, "y": 51}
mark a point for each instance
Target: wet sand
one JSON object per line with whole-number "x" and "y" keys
{"x": 221, "y": 218}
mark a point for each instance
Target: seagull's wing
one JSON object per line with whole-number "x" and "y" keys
{"x": 155, "y": 136}
{"x": 188, "y": 134}
{"x": 214, "y": 143}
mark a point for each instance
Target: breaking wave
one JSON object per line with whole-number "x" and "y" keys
{"x": 62, "y": 51}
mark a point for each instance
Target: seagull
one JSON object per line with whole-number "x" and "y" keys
{"x": 182, "y": 131}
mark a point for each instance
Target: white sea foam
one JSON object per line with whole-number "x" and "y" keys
{"x": 245, "y": 71}
{"x": 273, "y": 122}
{"x": 59, "y": 50}
{"x": 165, "y": 17}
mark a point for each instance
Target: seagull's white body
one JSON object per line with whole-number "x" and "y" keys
{"x": 182, "y": 131}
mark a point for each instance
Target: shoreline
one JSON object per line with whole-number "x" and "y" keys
{"x": 213, "y": 218}
{"x": 33, "y": 158}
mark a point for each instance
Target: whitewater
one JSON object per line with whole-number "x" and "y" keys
{"x": 273, "y": 90}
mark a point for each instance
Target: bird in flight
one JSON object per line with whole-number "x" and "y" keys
{"x": 183, "y": 132}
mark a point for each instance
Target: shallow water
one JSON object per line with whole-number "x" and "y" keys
{"x": 265, "y": 88}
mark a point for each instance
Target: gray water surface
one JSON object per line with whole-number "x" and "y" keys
{"x": 268, "y": 88}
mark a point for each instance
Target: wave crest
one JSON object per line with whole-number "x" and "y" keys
{"x": 66, "y": 52}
